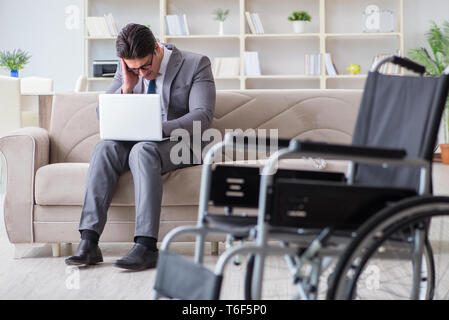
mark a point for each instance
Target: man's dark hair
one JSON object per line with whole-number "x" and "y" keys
{"x": 135, "y": 41}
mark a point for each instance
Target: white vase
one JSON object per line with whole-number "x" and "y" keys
{"x": 299, "y": 26}
{"x": 220, "y": 28}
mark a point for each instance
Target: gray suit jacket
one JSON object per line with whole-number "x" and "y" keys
{"x": 188, "y": 91}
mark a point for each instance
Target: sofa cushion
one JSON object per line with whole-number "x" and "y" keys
{"x": 64, "y": 183}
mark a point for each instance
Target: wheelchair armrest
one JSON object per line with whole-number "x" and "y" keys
{"x": 322, "y": 148}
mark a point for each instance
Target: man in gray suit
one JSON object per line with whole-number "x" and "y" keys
{"x": 185, "y": 82}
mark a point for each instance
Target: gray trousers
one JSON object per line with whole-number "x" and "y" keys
{"x": 147, "y": 162}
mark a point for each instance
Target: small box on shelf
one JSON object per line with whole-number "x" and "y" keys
{"x": 101, "y": 27}
{"x": 312, "y": 64}
{"x": 226, "y": 67}
{"x": 177, "y": 25}
{"x": 252, "y": 64}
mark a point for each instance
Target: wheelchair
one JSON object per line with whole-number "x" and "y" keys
{"x": 369, "y": 234}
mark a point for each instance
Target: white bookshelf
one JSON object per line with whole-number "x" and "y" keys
{"x": 283, "y": 35}
{"x": 336, "y": 27}
{"x": 204, "y": 36}
{"x": 347, "y": 76}
{"x": 100, "y": 38}
{"x": 282, "y": 76}
{"x": 363, "y": 35}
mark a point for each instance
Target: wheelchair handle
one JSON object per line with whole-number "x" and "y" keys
{"x": 403, "y": 62}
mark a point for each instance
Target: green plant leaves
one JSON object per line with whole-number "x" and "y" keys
{"x": 445, "y": 44}
{"x": 438, "y": 40}
{"x": 15, "y": 60}
{"x": 221, "y": 14}
{"x": 299, "y": 16}
{"x": 423, "y": 57}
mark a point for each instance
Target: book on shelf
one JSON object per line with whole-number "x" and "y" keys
{"x": 330, "y": 65}
{"x": 177, "y": 25}
{"x": 90, "y": 27}
{"x": 169, "y": 26}
{"x": 226, "y": 67}
{"x": 251, "y": 27}
{"x": 252, "y": 64}
{"x": 387, "y": 68}
{"x": 307, "y": 64}
{"x": 215, "y": 66}
{"x": 254, "y": 23}
{"x": 257, "y": 23}
{"x": 100, "y": 27}
{"x": 318, "y": 63}
{"x": 93, "y": 27}
{"x": 186, "y": 24}
{"x": 312, "y": 64}
{"x": 111, "y": 24}
{"x": 173, "y": 25}
{"x": 101, "y": 22}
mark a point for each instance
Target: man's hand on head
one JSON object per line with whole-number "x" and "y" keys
{"x": 130, "y": 79}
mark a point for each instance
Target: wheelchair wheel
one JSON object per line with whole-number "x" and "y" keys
{"x": 379, "y": 262}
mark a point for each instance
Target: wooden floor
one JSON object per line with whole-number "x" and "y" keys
{"x": 40, "y": 276}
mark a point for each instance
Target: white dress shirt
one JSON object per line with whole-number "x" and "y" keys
{"x": 160, "y": 79}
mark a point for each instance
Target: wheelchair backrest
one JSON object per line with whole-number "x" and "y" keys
{"x": 235, "y": 186}
{"x": 401, "y": 112}
{"x": 238, "y": 187}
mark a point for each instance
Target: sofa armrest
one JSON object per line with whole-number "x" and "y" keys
{"x": 25, "y": 151}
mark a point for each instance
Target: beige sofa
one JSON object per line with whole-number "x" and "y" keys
{"x": 46, "y": 171}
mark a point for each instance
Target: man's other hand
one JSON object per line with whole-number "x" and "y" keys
{"x": 130, "y": 79}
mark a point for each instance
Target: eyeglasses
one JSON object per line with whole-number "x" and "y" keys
{"x": 145, "y": 67}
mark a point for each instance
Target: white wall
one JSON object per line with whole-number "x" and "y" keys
{"x": 417, "y": 17}
{"x": 39, "y": 26}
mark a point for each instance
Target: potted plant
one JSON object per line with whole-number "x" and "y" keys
{"x": 14, "y": 61}
{"x": 299, "y": 19}
{"x": 435, "y": 63}
{"x": 220, "y": 15}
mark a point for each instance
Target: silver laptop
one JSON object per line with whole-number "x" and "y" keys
{"x": 130, "y": 117}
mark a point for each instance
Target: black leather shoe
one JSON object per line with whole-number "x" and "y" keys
{"x": 88, "y": 253}
{"x": 138, "y": 258}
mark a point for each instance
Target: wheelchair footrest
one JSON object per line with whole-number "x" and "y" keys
{"x": 180, "y": 278}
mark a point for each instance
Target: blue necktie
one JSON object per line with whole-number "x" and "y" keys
{"x": 152, "y": 90}
{"x": 152, "y": 87}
